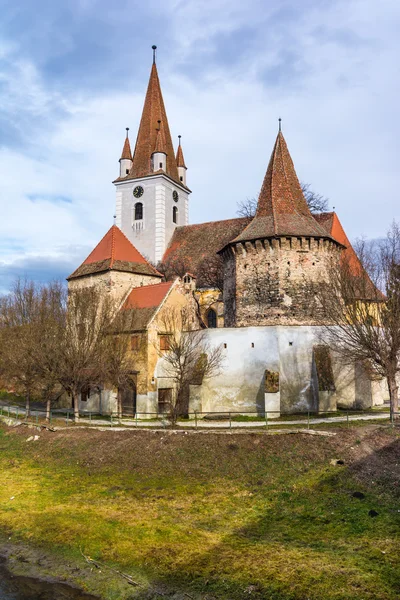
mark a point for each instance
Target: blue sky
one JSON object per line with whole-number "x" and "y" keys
{"x": 73, "y": 75}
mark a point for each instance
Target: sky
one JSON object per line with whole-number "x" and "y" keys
{"x": 73, "y": 75}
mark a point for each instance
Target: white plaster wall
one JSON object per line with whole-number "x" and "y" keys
{"x": 147, "y": 403}
{"x": 289, "y": 350}
{"x": 380, "y": 392}
{"x": 104, "y": 402}
{"x": 124, "y": 166}
{"x": 182, "y": 173}
{"x": 159, "y": 161}
{"x": 152, "y": 234}
{"x": 160, "y": 195}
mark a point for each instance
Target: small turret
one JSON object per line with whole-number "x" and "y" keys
{"x": 180, "y": 163}
{"x": 125, "y": 162}
{"x": 159, "y": 156}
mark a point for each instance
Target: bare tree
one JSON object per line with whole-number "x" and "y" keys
{"x": 190, "y": 358}
{"x": 119, "y": 364}
{"x": 51, "y": 318}
{"x": 19, "y": 338}
{"x": 83, "y": 350}
{"x": 173, "y": 268}
{"x": 316, "y": 203}
{"x": 210, "y": 272}
{"x": 361, "y": 309}
{"x": 247, "y": 208}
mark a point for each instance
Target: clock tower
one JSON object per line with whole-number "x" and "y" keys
{"x": 152, "y": 196}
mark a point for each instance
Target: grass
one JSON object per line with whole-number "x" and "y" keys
{"x": 229, "y": 516}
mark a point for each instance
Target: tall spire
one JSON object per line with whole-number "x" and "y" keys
{"x": 126, "y": 150}
{"x": 282, "y": 209}
{"x": 153, "y": 111}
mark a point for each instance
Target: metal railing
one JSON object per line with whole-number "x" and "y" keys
{"x": 199, "y": 419}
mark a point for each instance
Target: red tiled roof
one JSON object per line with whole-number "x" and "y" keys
{"x": 147, "y": 296}
{"x": 330, "y": 222}
{"x": 192, "y": 244}
{"x": 142, "y": 304}
{"x": 161, "y": 145}
{"x": 126, "y": 150}
{"x": 115, "y": 252}
{"x": 282, "y": 208}
{"x": 153, "y": 111}
{"x": 180, "y": 161}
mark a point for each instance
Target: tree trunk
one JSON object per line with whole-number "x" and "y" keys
{"x": 48, "y": 408}
{"x": 119, "y": 403}
{"x": 394, "y": 396}
{"x": 27, "y": 404}
{"x": 75, "y": 405}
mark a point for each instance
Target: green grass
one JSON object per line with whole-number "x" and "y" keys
{"x": 230, "y": 516}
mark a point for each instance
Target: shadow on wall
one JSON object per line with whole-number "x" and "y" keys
{"x": 297, "y": 389}
{"x": 353, "y": 386}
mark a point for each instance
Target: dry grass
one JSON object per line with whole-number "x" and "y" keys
{"x": 221, "y": 516}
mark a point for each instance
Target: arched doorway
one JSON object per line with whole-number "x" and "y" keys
{"x": 128, "y": 401}
{"x": 211, "y": 319}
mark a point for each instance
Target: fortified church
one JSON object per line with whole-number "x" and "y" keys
{"x": 246, "y": 280}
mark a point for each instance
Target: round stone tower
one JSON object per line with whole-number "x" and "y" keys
{"x": 271, "y": 268}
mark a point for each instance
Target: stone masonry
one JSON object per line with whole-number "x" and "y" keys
{"x": 270, "y": 282}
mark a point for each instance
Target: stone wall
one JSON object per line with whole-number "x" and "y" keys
{"x": 116, "y": 283}
{"x": 210, "y": 299}
{"x": 271, "y": 282}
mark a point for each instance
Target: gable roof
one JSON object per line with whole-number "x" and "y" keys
{"x": 143, "y": 303}
{"x": 282, "y": 209}
{"x": 154, "y": 118}
{"x": 115, "y": 252}
{"x": 192, "y": 244}
{"x": 330, "y": 221}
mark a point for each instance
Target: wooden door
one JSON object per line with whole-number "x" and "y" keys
{"x": 128, "y": 401}
{"x": 164, "y": 400}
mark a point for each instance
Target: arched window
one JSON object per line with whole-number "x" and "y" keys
{"x": 138, "y": 211}
{"x": 174, "y": 214}
{"x": 212, "y": 319}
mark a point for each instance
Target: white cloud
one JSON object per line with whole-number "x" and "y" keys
{"x": 329, "y": 71}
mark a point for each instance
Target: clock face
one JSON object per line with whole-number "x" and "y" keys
{"x": 138, "y": 191}
{"x": 175, "y": 195}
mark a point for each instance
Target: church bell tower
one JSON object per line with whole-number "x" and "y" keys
{"x": 151, "y": 192}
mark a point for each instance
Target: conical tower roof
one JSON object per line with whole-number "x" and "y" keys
{"x": 282, "y": 209}
{"x": 154, "y": 118}
{"x": 161, "y": 145}
{"x": 180, "y": 161}
{"x": 115, "y": 253}
{"x": 126, "y": 150}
